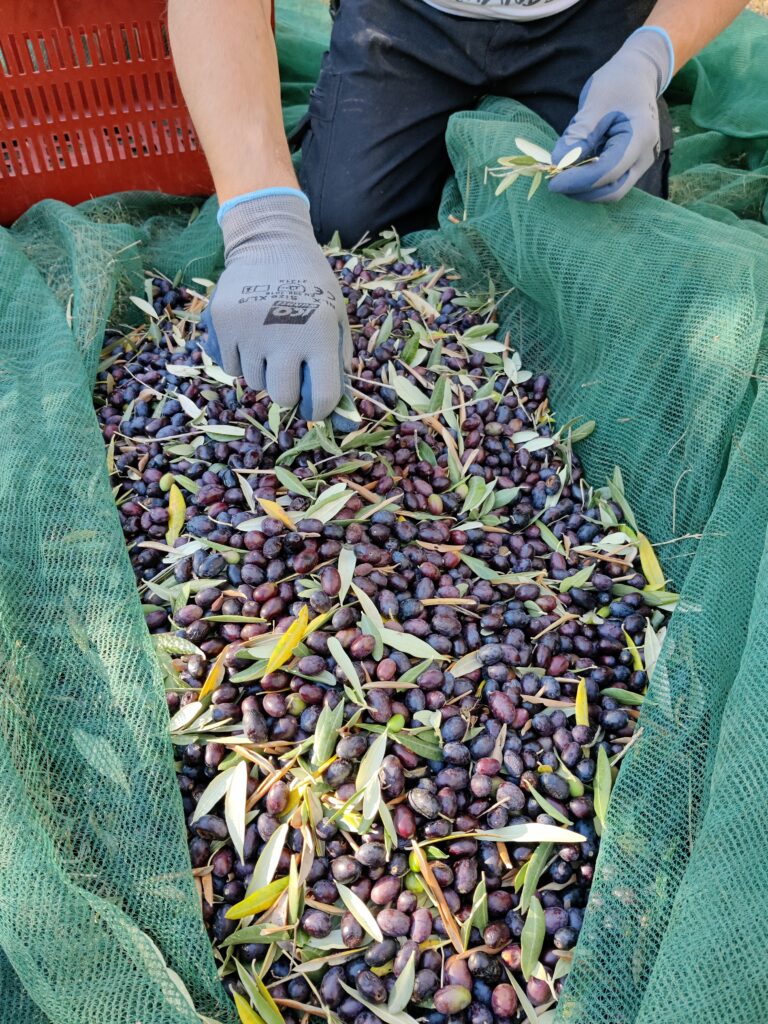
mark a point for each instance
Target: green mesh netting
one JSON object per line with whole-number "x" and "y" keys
{"x": 650, "y": 318}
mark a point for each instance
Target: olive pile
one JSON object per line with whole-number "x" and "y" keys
{"x": 402, "y": 664}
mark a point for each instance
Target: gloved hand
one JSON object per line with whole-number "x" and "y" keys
{"x": 617, "y": 120}
{"x": 277, "y": 315}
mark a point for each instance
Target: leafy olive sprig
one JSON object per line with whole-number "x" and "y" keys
{"x": 535, "y": 163}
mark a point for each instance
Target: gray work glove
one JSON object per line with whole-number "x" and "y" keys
{"x": 617, "y": 121}
{"x": 277, "y": 315}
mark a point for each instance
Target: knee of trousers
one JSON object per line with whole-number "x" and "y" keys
{"x": 352, "y": 214}
{"x": 342, "y": 203}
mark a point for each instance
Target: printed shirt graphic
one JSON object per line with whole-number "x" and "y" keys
{"x": 516, "y": 10}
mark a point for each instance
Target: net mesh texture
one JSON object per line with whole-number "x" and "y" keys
{"x": 651, "y": 319}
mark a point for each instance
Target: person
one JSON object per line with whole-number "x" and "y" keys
{"x": 373, "y": 151}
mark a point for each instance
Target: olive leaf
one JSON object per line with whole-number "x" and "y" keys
{"x": 276, "y": 512}
{"x": 290, "y": 481}
{"x": 371, "y": 762}
{"x": 265, "y": 1004}
{"x": 385, "y": 330}
{"x": 371, "y": 802}
{"x": 479, "y": 568}
{"x": 295, "y": 892}
{"x": 652, "y": 645}
{"x": 176, "y": 510}
{"x": 525, "y": 1004}
{"x": 571, "y": 157}
{"x": 579, "y": 579}
{"x": 360, "y": 912}
{"x": 234, "y": 807}
{"x": 637, "y": 661}
{"x": 537, "y": 153}
{"x": 327, "y": 732}
{"x": 329, "y": 504}
{"x": 346, "y": 566}
{"x": 478, "y": 914}
{"x": 426, "y": 748}
{"x": 547, "y": 807}
{"x": 225, "y": 432}
{"x": 379, "y": 1010}
{"x": 402, "y": 990}
{"x": 260, "y": 899}
{"x": 185, "y": 716}
{"x": 582, "y": 703}
{"x": 146, "y": 307}
{"x": 616, "y": 488}
{"x": 652, "y": 570}
{"x": 623, "y": 696}
{"x": 369, "y": 628}
{"x": 288, "y": 641}
{"x": 549, "y": 538}
{"x": 533, "y": 871}
{"x": 603, "y": 784}
{"x": 582, "y": 432}
{"x": 532, "y": 938}
{"x": 521, "y": 835}
{"x": 408, "y": 644}
{"x": 189, "y": 485}
{"x": 389, "y": 825}
{"x": 269, "y": 858}
{"x": 189, "y": 407}
{"x": 273, "y": 417}
{"x": 372, "y": 612}
{"x": 653, "y": 598}
{"x": 438, "y": 394}
{"x": 407, "y": 392}
{"x": 345, "y": 663}
{"x": 537, "y": 180}
{"x": 426, "y": 454}
{"x": 467, "y": 663}
{"x": 215, "y": 790}
{"x": 264, "y": 934}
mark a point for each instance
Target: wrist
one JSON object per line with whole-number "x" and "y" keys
{"x": 272, "y": 222}
{"x": 261, "y": 193}
{"x": 655, "y": 43}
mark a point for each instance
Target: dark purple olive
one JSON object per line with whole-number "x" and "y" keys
{"x": 504, "y": 1001}
{"x": 394, "y": 923}
{"x": 352, "y": 934}
{"x": 316, "y": 923}
{"x": 371, "y": 987}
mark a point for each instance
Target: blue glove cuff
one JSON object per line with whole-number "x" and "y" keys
{"x": 261, "y": 193}
{"x": 665, "y": 36}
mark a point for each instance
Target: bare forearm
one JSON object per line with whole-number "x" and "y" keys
{"x": 225, "y": 58}
{"x": 691, "y": 24}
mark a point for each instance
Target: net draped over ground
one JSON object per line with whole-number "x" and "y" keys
{"x": 651, "y": 319}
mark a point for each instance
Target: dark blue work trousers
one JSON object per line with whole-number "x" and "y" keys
{"x": 373, "y": 149}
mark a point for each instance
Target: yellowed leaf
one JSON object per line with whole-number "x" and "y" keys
{"x": 637, "y": 661}
{"x": 245, "y": 1011}
{"x": 267, "y": 997}
{"x": 277, "y": 512}
{"x": 260, "y": 900}
{"x": 288, "y": 642}
{"x": 177, "y": 508}
{"x": 582, "y": 704}
{"x": 435, "y": 891}
{"x": 215, "y": 675}
{"x": 652, "y": 570}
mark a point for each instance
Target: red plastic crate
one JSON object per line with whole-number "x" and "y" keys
{"x": 90, "y": 104}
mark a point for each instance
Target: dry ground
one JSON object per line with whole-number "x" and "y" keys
{"x": 761, "y": 6}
